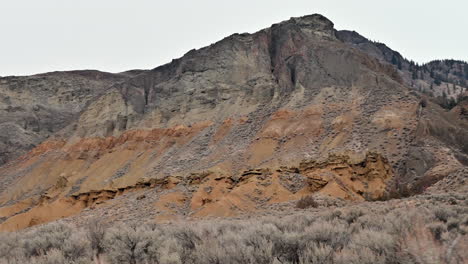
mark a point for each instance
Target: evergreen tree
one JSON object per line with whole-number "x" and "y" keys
{"x": 463, "y": 82}
{"x": 394, "y": 60}
{"x": 451, "y": 103}
{"x": 415, "y": 74}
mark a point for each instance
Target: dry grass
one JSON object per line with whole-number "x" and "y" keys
{"x": 423, "y": 229}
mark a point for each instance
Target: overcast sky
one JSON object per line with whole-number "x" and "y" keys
{"x": 117, "y": 35}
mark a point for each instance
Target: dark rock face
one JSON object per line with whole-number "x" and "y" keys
{"x": 249, "y": 70}
{"x": 33, "y": 108}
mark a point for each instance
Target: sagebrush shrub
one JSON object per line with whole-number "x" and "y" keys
{"x": 132, "y": 244}
{"x": 316, "y": 253}
{"x": 307, "y": 202}
{"x": 52, "y": 236}
{"x": 442, "y": 214}
{"x": 95, "y": 232}
{"x": 47, "y": 244}
{"x": 433, "y": 231}
{"x": 354, "y": 256}
{"x": 11, "y": 248}
{"x": 380, "y": 243}
{"x": 437, "y": 229}
{"x": 334, "y": 234}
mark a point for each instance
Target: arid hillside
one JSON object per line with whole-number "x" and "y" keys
{"x": 242, "y": 126}
{"x": 33, "y": 108}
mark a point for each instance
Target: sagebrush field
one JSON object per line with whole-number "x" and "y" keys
{"x": 421, "y": 229}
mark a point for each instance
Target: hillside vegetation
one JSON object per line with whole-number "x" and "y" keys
{"x": 422, "y": 229}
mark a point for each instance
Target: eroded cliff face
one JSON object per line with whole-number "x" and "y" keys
{"x": 246, "y": 113}
{"x": 33, "y": 108}
{"x": 209, "y": 193}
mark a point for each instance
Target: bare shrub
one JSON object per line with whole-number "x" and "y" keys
{"x": 423, "y": 102}
{"x": 371, "y": 221}
{"x": 464, "y": 220}
{"x": 335, "y": 214}
{"x": 224, "y": 250}
{"x": 95, "y": 233}
{"x": 188, "y": 240}
{"x": 353, "y": 214}
{"x": 452, "y": 224}
{"x": 316, "y": 253}
{"x": 56, "y": 242}
{"x": 10, "y": 247}
{"x": 399, "y": 222}
{"x": 132, "y": 244}
{"x": 287, "y": 247}
{"x": 169, "y": 251}
{"x": 77, "y": 247}
{"x": 354, "y": 256}
{"x": 52, "y": 236}
{"x": 442, "y": 214}
{"x": 437, "y": 229}
{"x": 380, "y": 243}
{"x": 258, "y": 241}
{"x": 334, "y": 234}
{"x": 307, "y": 202}
{"x": 54, "y": 256}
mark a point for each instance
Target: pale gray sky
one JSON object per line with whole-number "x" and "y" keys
{"x": 117, "y": 35}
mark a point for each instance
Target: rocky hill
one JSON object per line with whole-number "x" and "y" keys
{"x": 244, "y": 125}
{"x": 444, "y": 81}
{"x": 33, "y": 108}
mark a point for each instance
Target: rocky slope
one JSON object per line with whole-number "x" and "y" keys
{"x": 444, "y": 81}
{"x": 246, "y": 123}
{"x": 32, "y": 108}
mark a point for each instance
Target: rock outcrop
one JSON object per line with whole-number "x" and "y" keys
{"x": 34, "y": 108}
{"x": 208, "y": 193}
{"x": 237, "y": 118}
